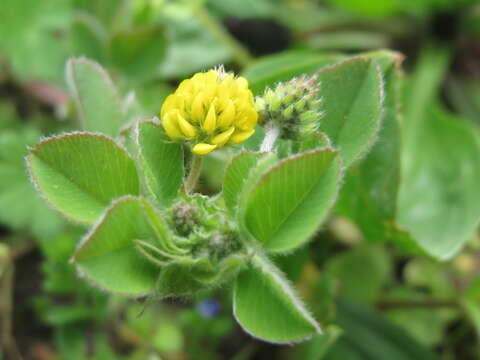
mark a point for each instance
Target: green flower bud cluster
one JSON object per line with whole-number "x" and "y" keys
{"x": 205, "y": 249}
{"x": 294, "y": 106}
{"x": 205, "y": 227}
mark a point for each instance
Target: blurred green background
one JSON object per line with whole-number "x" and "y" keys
{"x": 375, "y": 296}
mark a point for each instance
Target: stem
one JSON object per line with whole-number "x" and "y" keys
{"x": 272, "y": 131}
{"x": 241, "y": 54}
{"x": 7, "y": 340}
{"x": 194, "y": 174}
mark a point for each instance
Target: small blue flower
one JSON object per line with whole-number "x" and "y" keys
{"x": 208, "y": 308}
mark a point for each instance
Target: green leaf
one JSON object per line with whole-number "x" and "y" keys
{"x": 269, "y": 70}
{"x": 369, "y": 195}
{"x": 71, "y": 343}
{"x": 191, "y": 49}
{"x": 292, "y": 199}
{"x": 79, "y": 174}
{"x": 244, "y": 9}
{"x": 439, "y": 201}
{"x": 65, "y": 314}
{"x": 107, "y": 255}
{"x": 87, "y": 37}
{"x": 352, "y": 93}
{"x": 109, "y": 12}
{"x": 70, "y": 339}
{"x": 97, "y": 100}
{"x": 438, "y": 197}
{"x": 168, "y": 338}
{"x": 267, "y": 307}
{"x": 362, "y": 272}
{"x": 370, "y": 337}
{"x": 368, "y": 9}
{"x": 315, "y": 140}
{"x": 139, "y": 51}
{"x": 420, "y": 94}
{"x": 8, "y": 116}
{"x": 161, "y": 162}
{"x": 348, "y": 40}
{"x": 22, "y": 207}
{"x": 235, "y": 176}
{"x": 29, "y": 37}
{"x": 262, "y": 165}
{"x": 151, "y": 95}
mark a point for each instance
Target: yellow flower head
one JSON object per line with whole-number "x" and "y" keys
{"x": 211, "y": 109}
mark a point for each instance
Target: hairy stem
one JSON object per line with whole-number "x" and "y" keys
{"x": 272, "y": 131}
{"x": 194, "y": 174}
{"x": 241, "y": 55}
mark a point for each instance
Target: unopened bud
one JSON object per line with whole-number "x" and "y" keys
{"x": 300, "y": 104}
{"x": 293, "y": 106}
{"x": 288, "y": 112}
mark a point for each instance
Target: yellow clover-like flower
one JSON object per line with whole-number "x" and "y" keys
{"x": 211, "y": 109}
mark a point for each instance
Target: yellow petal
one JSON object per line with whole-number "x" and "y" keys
{"x": 197, "y": 107}
{"x": 203, "y": 148}
{"x": 211, "y": 76}
{"x": 198, "y": 77}
{"x": 228, "y": 80}
{"x": 210, "y": 122}
{"x": 168, "y": 104}
{"x": 223, "y": 137}
{"x": 221, "y": 102}
{"x": 252, "y": 117}
{"x": 185, "y": 86}
{"x": 241, "y": 136}
{"x": 170, "y": 126}
{"x": 246, "y": 97}
{"x": 227, "y": 116}
{"x": 242, "y": 82}
{"x": 209, "y": 91}
{"x": 187, "y": 129}
{"x": 241, "y": 123}
{"x": 223, "y": 91}
{"x": 250, "y": 97}
{"x": 180, "y": 101}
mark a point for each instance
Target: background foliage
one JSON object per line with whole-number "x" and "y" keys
{"x": 393, "y": 273}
